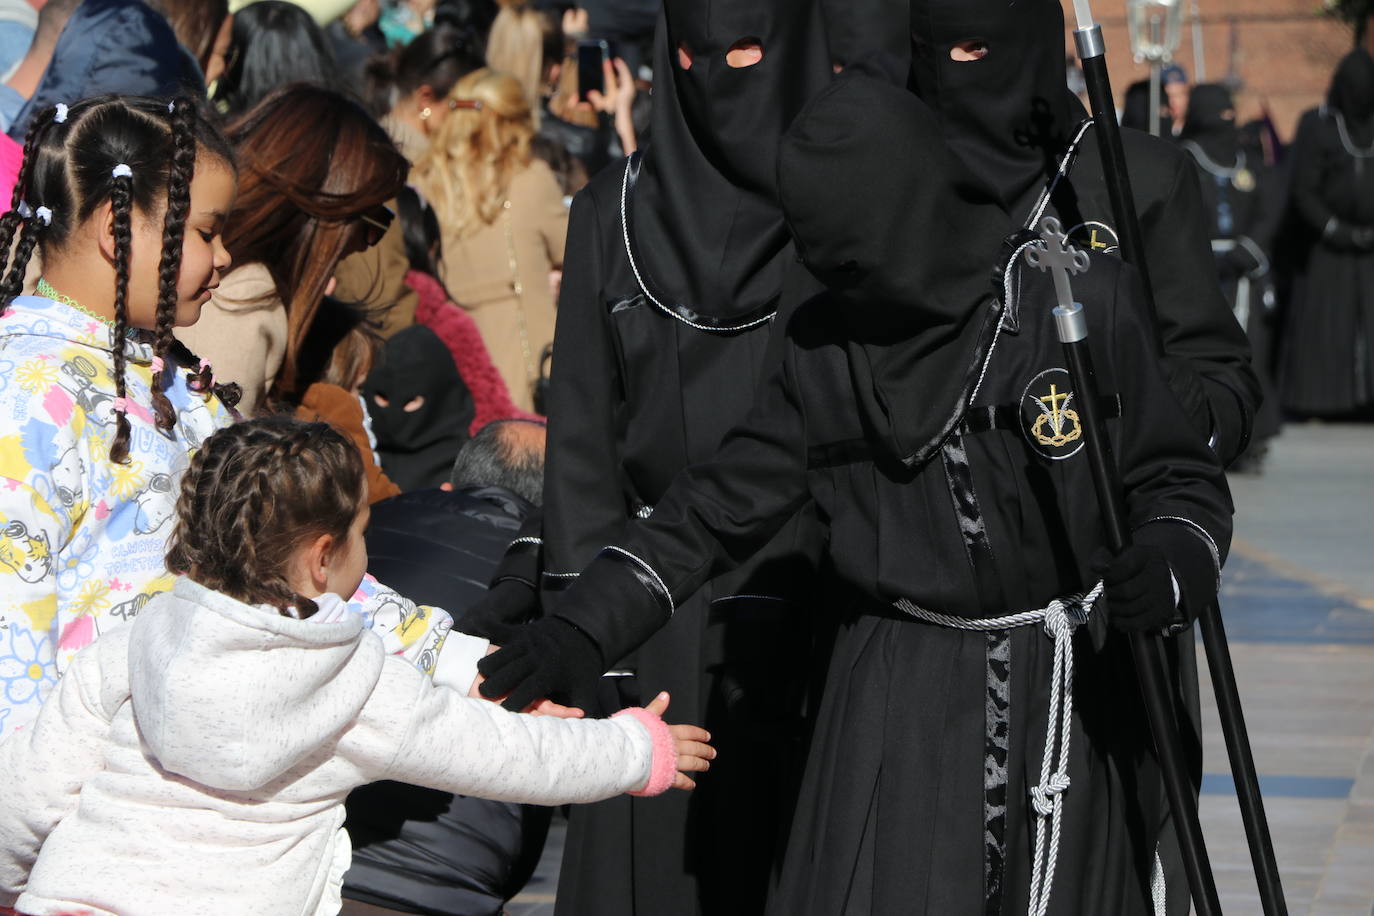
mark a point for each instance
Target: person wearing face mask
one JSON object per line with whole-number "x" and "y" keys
{"x": 673, "y": 281}
{"x": 995, "y": 74}
{"x": 419, "y": 407}
{"x": 1329, "y": 335}
{"x": 924, "y": 411}
{"x": 1243, "y": 198}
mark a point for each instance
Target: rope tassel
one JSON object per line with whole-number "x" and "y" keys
{"x": 1060, "y": 618}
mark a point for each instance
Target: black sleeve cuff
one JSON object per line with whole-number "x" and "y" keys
{"x": 524, "y": 556}
{"x": 618, "y": 603}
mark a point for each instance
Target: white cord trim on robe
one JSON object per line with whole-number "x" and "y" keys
{"x": 672, "y": 605}
{"x": 1060, "y": 618}
{"x": 643, "y": 287}
{"x": 1159, "y": 888}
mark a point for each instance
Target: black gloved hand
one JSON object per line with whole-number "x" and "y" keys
{"x": 1241, "y": 260}
{"x": 1138, "y": 588}
{"x": 1187, "y": 386}
{"x": 547, "y": 658}
{"x": 1345, "y": 236}
{"x": 503, "y": 609}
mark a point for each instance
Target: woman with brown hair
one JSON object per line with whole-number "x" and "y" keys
{"x": 502, "y": 221}
{"x": 315, "y": 175}
{"x": 203, "y": 29}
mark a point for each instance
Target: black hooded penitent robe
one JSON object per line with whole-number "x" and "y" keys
{"x": 1243, "y": 199}
{"x": 1011, "y": 118}
{"x": 910, "y": 404}
{"x": 672, "y": 279}
{"x": 1328, "y": 346}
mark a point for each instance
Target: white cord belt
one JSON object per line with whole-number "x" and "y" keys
{"x": 1060, "y": 618}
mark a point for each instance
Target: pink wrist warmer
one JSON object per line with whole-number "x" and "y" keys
{"x": 663, "y": 767}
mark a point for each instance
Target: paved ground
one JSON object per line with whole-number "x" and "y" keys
{"x": 1298, "y": 601}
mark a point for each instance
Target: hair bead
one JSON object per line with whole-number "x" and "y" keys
{"x": 121, "y": 171}
{"x": 44, "y": 214}
{"x": 61, "y": 116}
{"x": 24, "y": 210}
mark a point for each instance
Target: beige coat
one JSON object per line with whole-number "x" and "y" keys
{"x": 477, "y": 271}
{"x": 242, "y": 332}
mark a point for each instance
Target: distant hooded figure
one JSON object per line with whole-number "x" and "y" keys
{"x": 1243, "y": 200}
{"x": 112, "y": 47}
{"x": 420, "y": 409}
{"x": 1327, "y": 369}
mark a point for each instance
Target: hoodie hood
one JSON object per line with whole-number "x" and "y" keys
{"x": 233, "y": 696}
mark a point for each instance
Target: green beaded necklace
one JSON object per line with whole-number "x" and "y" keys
{"x": 45, "y": 289}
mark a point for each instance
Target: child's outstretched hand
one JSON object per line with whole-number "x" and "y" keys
{"x": 694, "y": 755}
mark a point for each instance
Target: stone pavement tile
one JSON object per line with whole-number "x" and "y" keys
{"x": 1356, "y": 908}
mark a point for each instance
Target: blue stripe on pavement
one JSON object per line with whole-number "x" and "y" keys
{"x": 1260, "y": 605}
{"x": 1283, "y": 786}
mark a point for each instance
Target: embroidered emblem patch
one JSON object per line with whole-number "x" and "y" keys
{"x": 1095, "y": 236}
{"x": 1048, "y": 417}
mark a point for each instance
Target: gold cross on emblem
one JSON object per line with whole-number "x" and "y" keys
{"x": 1056, "y": 416}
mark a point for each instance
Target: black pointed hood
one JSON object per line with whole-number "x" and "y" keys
{"x": 1009, "y": 115}
{"x": 707, "y": 232}
{"x": 1211, "y": 123}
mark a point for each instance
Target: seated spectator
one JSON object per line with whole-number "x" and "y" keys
{"x": 204, "y": 28}
{"x": 452, "y": 324}
{"x": 420, "y": 409}
{"x": 503, "y": 223}
{"x": 273, "y": 43}
{"x": 408, "y": 88}
{"x": 315, "y": 173}
{"x": 402, "y": 20}
{"x": 18, "y": 22}
{"x": 339, "y": 351}
{"x": 105, "y": 47}
{"x": 527, "y": 43}
{"x": 418, "y": 850}
{"x": 353, "y": 38}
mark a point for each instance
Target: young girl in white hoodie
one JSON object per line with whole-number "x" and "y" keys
{"x": 197, "y": 760}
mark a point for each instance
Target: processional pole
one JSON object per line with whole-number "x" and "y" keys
{"x": 1053, "y": 253}
{"x": 1092, "y": 55}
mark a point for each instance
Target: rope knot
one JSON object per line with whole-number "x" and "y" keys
{"x": 1042, "y": 796}
{"x": 1058, "y": 622}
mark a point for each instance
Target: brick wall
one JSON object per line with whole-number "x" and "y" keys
{"x": 1283, "y": 51}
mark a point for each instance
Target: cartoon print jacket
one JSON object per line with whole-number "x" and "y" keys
{"x": 83, "y": 540}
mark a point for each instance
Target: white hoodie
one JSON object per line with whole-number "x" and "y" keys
{"x": 197, "y": 761}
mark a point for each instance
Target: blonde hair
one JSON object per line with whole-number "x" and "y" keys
{"x": 516, "y": 45}
{"x": 467, "y": 169}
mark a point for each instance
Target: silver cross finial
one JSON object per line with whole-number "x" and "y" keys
{"x": 1053, "y": 252}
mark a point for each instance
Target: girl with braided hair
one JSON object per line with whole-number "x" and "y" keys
{"x": 102, "y": 406}
{"x": 198, "y": 760}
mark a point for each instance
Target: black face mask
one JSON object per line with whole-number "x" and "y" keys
{"x": 417, "y": 447}
{"x": 1352, "y": 88}
{"x": 1211, "y": 122}
{"x": 708, "y": 233}
{"x": 1009, "y": 115}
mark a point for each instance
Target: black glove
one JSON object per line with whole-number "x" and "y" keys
{"x": 1138, "y": 588}
{"x": 1241, "y": 260}
{"x": 547, "y": 658}
{"x": 1345, "y": 236}
{"x": 499, "y": 615}
{"x": 1187, "y": 386}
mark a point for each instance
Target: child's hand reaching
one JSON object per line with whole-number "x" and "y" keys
{"x": 694, "y": 755}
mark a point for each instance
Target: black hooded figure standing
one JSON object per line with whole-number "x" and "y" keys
{"x": 994, "y": 71}
{"x": 671, "y": 284}
{"x": 1243, "y": 198}
{"x": 1328, "y": 361}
